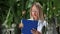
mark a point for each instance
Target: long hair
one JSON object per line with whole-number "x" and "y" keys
{"x": 38, "y": 5}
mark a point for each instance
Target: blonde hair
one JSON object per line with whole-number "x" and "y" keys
{"x": 38, "y": 5}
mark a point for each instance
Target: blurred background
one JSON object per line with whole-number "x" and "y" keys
{"x": 12, "y": 11}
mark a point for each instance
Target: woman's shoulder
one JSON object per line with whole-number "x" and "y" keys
{"x": 45, "y": 23}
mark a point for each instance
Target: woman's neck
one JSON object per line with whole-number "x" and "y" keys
{"x": 34, "y": 18}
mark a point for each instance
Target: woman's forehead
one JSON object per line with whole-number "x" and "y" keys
{"x": 34, "y": 8}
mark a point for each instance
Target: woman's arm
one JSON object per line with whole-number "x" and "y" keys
{"x": 21, "y": 25}
{"x": 45, "y": 28}
{"x": 35, "y": 32}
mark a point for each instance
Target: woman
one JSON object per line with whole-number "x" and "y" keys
{"x": 36, "y": 13}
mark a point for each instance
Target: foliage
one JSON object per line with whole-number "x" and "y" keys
{"x": 11, "y": 10}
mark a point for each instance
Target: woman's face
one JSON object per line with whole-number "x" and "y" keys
{"x": 35, "y": 12}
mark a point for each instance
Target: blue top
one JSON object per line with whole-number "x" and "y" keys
{"x": 28, "y": 25}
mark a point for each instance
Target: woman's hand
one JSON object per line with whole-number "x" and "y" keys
{"x": 35, "y": 31}
{"x": 21, "y": 25}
